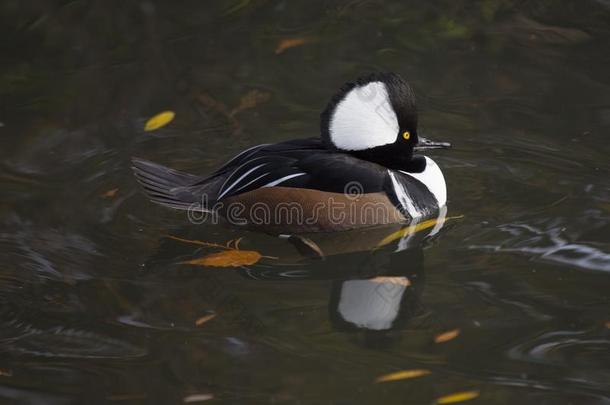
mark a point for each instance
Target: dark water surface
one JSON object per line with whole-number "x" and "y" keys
{"x": 95, "y": 305}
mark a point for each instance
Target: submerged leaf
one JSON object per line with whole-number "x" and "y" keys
{"x": 446, "y": 336}
{"x": 160, "y": 120}
{"x": 110, "y": 193}
{"x": 288, "y": 43}
{"x": 457, "y": 397}
{"x": 197, "y": 398}
{"x": 220, "y": 108}
{"x": 402, "y": 375}
{"x": 228, "y": 258}
{"x": 250, "y": 100}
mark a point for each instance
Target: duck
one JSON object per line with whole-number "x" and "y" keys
{"x": 364, "y": 169}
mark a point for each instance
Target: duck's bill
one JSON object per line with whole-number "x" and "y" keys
{"x": 425, "y": 143}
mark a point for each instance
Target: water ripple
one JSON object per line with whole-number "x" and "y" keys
{"x": 548, "y": 245}
{"x": 59, "y": 342}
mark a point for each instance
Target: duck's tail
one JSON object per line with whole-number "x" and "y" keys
{"x": 168, "y": 187}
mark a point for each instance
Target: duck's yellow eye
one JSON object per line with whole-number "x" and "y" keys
{"x": 406, "y": 135}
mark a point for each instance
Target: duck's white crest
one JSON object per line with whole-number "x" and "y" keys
{"x": 433, "y": 179}
{"x": 364, "y": 119}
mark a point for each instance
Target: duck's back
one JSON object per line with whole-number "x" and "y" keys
{"x": 269, "y": 178}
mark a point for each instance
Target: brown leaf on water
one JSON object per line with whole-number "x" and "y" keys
{"x": 228, "y": 258}
{"x": 205, "y": 319}
{"x": 288, "y": 43}
{"x": 110, "y": 193}
{"x": 250, "y": 100}
{"x": 392, "y": 280}
{"x": 402, "y": 375}
{"x": 197, "y": 398}
{"x": 457, "y": 397}
{"x": 6, "y": 372}
{"x": 160, "y": 120}
{"x": 607, "y": 324}
{"x": 447, "y": 336}
{"x": 231, "y": 256}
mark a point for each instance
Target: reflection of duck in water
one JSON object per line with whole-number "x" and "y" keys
{"x": 375, "y": 288}
{"x": 361, "y": 171}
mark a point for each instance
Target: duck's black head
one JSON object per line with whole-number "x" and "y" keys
{"x": 374, "y": 118}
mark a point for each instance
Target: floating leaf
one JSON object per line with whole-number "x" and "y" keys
{"x": 288, "y": 43}
{"x": 250, "y": 100}
{"x": 457, "y": 397}
{"x": 402, "y": 375}
{"x": 607, "y": 324}
{"x": 6, "y": 372}
{"x": 401, "y": 233}
{"x": 197, "y": 398}
{"x": 446, "y": 336}
{"x": 160, "y": 120}
{"x": 205, "y": 319}
{"x": 228, "y": 258}
{"x": 232, "y": 256}
{"x": 392, "y": 280}
{"x": 110, "y": 193}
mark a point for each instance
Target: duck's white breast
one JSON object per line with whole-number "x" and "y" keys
{"x": 432, "y": 177}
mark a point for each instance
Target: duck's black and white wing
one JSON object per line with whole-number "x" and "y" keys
{"x": 316, "y": 170}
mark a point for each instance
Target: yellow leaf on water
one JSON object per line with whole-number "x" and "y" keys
{"x": 205, "y": 319}
{"x": 160, "y": 120}
{"x": 457, "y": 397}
{"x": 402, "y": 375}
{"x": 228, "y": 258}
{"x": 408, "y": 230}
{"x": 288, "y": 43}
{"x": 446, "y": 336}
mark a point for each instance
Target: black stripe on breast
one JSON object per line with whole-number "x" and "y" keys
{"x": 422, "y": 200}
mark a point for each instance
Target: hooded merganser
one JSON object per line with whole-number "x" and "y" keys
{"x": 361, "y": 171}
